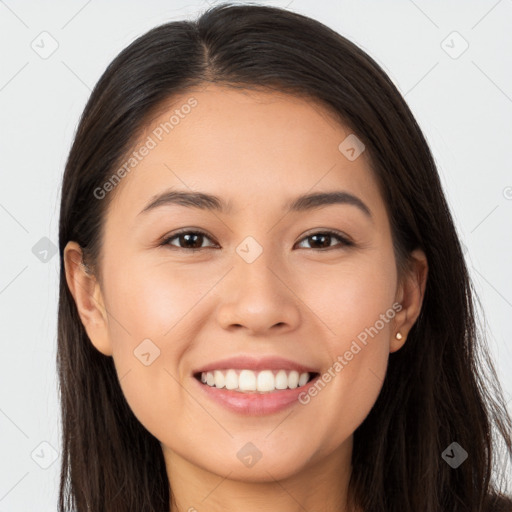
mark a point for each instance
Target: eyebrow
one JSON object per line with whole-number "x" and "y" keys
{"x": 211, "y": 202}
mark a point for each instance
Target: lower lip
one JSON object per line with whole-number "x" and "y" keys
{"x": 255, "y": 404}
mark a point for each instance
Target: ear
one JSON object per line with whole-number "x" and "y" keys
{"x": 410, "y": 293}
{"x": 88, "y": 298}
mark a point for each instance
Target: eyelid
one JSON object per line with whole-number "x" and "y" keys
{"x": 344, "y": 240}
{"x": 196, "y": 231}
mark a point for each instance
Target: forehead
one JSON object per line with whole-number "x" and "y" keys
{"x": 250, "y": 147}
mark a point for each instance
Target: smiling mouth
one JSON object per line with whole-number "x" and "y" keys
{"x": 255, "y": 382}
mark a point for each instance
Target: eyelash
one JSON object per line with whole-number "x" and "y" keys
{"x": 345, "y": 242}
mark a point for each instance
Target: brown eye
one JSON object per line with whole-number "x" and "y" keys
{"x": 187, "y": 240}
{"x": 194, "y": 240}
{"x": 322, "y": 240}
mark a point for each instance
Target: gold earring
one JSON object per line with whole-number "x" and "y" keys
{"x": 398, "y": 335}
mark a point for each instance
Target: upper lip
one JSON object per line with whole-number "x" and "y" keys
{"x": 256, "y": 364}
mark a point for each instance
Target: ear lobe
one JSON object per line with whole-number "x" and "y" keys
{"x": 410, "y": 295}
{"x": 86, "y": 292}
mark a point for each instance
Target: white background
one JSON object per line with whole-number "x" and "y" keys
{"x": 463, "y": 105}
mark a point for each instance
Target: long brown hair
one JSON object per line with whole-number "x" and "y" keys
{"x": 440, "y": 388}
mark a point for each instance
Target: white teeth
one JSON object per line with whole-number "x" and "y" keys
{"x": 281, "y": 380}
{"x": 265, "y": 381}
{"x": 293, "y": 379}
{"x": 231, "y": 380}
{"x": 218, "y": 379}
{"x": 247, "y": 381}
{"x": 303, "y": 379}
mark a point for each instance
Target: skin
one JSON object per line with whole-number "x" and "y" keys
{"x": 256, "y": 150}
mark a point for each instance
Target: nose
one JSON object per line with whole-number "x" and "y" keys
{"x": 257, "y": 298}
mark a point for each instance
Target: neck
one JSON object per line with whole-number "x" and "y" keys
{"x": 320, "y": 486}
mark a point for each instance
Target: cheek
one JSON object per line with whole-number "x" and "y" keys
{"x": 365, "y": 320}
{"x": 152, "y": 303}
{"x": 152, "y": 327}
{"x": 360, "y": 320}
{"x": 351, "y": 297}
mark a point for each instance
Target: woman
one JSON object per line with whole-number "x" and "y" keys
{"x": 264, "y": 304}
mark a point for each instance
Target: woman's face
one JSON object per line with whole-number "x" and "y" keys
{"x": 269, "y": 295}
